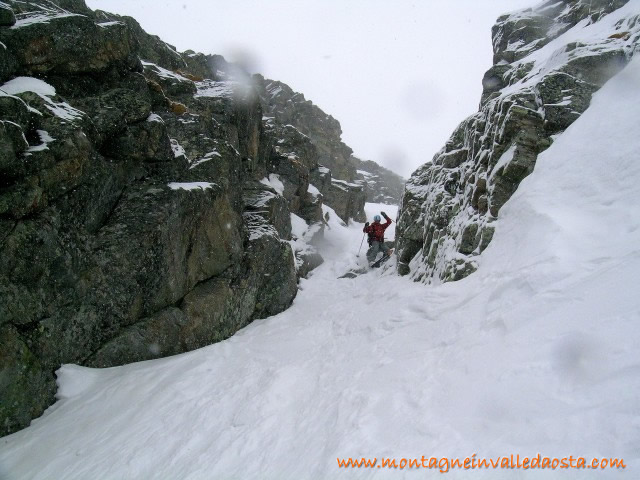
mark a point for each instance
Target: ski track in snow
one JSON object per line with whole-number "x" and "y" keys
{"x": 534, "y": 353}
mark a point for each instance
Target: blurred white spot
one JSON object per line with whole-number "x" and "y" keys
{"x": 491, "y": 83}
{"x": 578, "y": 358}
{"x": 154, "y": 348}
{"x": 394, "y": 158}
{"x": 245, "y": 59}
{"x": 228, "y": 226}
{"x": 423, "y": 100}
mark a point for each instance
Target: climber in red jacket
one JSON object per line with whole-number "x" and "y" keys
{"x": 376, "y": 237}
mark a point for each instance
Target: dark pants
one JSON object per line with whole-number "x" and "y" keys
{"x": 375, "y": 248}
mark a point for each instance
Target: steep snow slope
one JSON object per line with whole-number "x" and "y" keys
{"x": 535, "y": 352}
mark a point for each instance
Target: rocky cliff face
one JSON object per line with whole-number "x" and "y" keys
{"x": 151, "y": 202}
{"x": 548, "y": 61}
{"x": 381, "y": 185}
{"x": 288, "y": 107}
{"x": 335, "y": 170}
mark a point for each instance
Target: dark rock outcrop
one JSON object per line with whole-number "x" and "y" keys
{"x": 7, "y": 16}
{"x": 347, "y": 199}
{"x": 148, "y": 198}
{"x": 138, "y": 214}
{"x": 538, "y": 85}
{"x": 349, "y": 189}
{"x": 291, "y": 108}
{"x": 380, "y": 184}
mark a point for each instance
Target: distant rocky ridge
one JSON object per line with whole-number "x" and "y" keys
{"x": 351, "y": 180}
{"x": 548, "y": 61}
{"x": 291, "y": 108}
{"x": 151, "y": 202}
{"x": 381, "y": 185}
{"x": 334, "y": 174}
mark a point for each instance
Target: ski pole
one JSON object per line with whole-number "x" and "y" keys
{"x": 358, "y": 255}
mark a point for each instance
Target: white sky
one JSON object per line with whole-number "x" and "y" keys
{"x": 399, "y": 75}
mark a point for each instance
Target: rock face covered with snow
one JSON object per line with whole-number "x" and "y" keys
{"x": 335, "y": 169}
{"x": 548, "y": 61}
{"x": 288, "y": 107}
{"x": 381, "y": 185}
{"x": 149, "y": 204}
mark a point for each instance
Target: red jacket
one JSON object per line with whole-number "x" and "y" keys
{"x": 376, "y": 230}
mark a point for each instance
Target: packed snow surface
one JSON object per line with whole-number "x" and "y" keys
{"x": 313, "y": 190}
{"x": 45, "y": 139}
{"x": 273, "y": 181}
{"x": 207, "y": 156}
{"x": 164, "y": 73}
{"x": 154, "y": 117}
{"x": 178, "y": 150}
{"x": 537, "y": 352}
{"x": 20, "y": 85}
{"x": 28, "y": 84}
{"x": 40, "y": 18}
{"x": 190, "y": 185}
{"x": 301, "y": 236}
{"x": 109, "y": 24}
{"x": 211, "y": 88}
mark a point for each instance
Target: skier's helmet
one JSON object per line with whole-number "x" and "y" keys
{"x": 376, "y": 218}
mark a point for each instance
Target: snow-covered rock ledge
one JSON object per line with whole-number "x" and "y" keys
{"x": 548, "y": 61}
